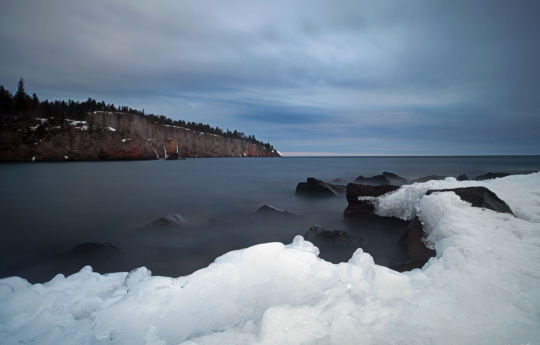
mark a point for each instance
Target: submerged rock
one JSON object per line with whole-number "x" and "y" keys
{"x": 478, "y": 197}
{"x": 361, "y": 198}
{"x": 317, "y": 188}
{"x": 175, "y": 219}
{"x": 428, "y": 178}
{"x": 269, "y": 210}
{"x": 95, "y": 249}
{"x": 490, "y": 175}
{"x": 383, "y": 179}
{"x": 317, "y": 234}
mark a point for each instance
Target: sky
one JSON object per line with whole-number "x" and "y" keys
{"x": 344, "y": 77}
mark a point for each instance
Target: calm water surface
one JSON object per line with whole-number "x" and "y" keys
{"x": 48, "y": 208}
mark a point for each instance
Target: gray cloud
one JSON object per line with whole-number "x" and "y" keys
{"x": 354, "y": 76}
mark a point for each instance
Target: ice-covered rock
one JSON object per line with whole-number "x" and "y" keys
{"x": 478, "y": 197}
{"x": 362, "y": 198}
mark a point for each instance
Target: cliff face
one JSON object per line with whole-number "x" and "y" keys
{"x": 113, "y": 136}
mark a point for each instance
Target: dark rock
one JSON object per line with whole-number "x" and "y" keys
{"x": 364, "y": 207}
{"x": 394, "y": 179}
{"x": 383, "y": 179}
{"x": 416, "y": 248}
{"x": 95, "y": 249}
{"x": 168, "y": 221}
{"x": 269, "y": 210}
{"x": 462, "y": 177}
{"x": 317, "y": 188}
{"x": 334, "y": 245}
{"x": 478, "y": 197}
{"x": 417, "y": 252}
{"x": 320, "y": 234}
{"x": 490, "y": 175}
{"x": 428, "y": 178}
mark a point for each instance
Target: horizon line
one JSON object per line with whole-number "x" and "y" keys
{"x": 343, "y": 154}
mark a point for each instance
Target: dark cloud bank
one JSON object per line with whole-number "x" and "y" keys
{"x": 356, "y": 77}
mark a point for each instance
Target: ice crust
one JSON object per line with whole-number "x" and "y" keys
{"x": 482, "y": 288}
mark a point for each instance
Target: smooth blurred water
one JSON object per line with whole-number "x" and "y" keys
{"x": 47, "y": 208}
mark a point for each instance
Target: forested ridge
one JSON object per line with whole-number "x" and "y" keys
{"x": 22, "y": 104}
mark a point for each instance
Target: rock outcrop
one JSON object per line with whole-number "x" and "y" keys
{"x": 113, "y": 136}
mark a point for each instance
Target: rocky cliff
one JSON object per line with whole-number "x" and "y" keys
{"x": 113, "y": 136}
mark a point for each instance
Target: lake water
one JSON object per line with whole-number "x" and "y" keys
{"x": 48, "y": 208}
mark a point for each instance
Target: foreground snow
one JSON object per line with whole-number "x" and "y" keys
{"x": 483, "y": 288}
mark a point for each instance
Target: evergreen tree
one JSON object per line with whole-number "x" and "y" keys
{"x": 23, "y": 102}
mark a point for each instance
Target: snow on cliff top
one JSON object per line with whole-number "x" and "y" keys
{"x": 482, "y": 288}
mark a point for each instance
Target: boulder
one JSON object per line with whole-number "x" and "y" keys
{"x": 462, "y": 177}
{"x": 478, "y": 197}
{"x": 490, "y": 175}
{"x": 334, "y": 245}
{"x": 383, "y": 179}
{"x": 417, "y": 251}
{"x": 269, "y": 210}
{"x": 367, "y": 195}
{"x": 428, "y": 178}
{"x": 318, "y": 188}
{"x": 172, "y": 220}
{"x": 317, "y": 234}
{"x": 95, "y": 249}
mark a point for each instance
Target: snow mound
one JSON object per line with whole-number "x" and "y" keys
{"x": 482, "y": 288}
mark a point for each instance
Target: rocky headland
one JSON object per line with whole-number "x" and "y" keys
{"x": 106, "y": 135}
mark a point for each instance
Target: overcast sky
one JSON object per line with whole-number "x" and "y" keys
{"x": 335, "y": 77}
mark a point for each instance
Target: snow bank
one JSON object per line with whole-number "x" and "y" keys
{"x": 482, "y": 288}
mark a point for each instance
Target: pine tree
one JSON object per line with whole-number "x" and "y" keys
{"x": 23, "y": 102}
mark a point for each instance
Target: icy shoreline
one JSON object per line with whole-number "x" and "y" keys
{"x": 482, "y": 288}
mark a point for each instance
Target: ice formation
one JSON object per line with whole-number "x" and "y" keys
{"x": 482, "y": 288}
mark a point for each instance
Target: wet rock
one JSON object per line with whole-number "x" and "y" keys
{"x": 478, "y": 197}
{"x": 172, "y": 220}
{"x": 462, "y": 177}
{"x": 269, "y": 210}
{"x": 428, "y": 178}
{"x": 490, "y": 175}
{"x": 383, "y": 179}
{"x": 95, "y": 249}
{"x": 367, "y": 194}
{"x": 334, "y": 245}
{"x": 317, "y": 234}
{"x": 417, "y": 251}
{"x": 317, "y": 188}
